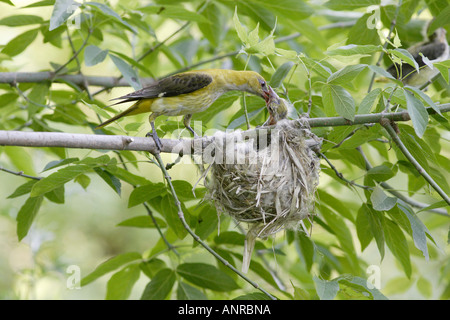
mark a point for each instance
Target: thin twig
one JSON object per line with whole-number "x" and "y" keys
{"x": 340, "y": 175}
{"x": 391, "y": 29}
{"x": 75, "y": 55}
{"x": 196, "y": 237}
{"x": 150, "y": 214}
{"x": 387, "y": 125}
{"x": 397, "y": 194}
{"x": 20, "y": 173}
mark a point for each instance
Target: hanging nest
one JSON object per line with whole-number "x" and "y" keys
{"x": 268, "y": 181}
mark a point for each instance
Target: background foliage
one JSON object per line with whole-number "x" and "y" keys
{"x": 88, "y": 208}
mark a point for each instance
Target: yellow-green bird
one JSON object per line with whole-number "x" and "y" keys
{"x": 188, "y": 93}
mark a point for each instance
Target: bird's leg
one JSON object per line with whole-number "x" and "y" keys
{"x": 153, "y": 134}
{"x": 187, "y": 124}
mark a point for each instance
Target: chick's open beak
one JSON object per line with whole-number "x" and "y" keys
{"x": 271, "y": 95}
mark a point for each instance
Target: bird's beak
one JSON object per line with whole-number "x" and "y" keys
{"x": 270, "y": 94}
{"x": 267, "y": 94}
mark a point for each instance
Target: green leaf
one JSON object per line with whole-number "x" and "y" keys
{"x": 290, "y": 9}
{"x": 419, "y": 230}
{"x": 26, "y": 215}
{"x": 307, "y": 250}
{"x": 170, "y": 212}
{"x": 188, "y": 292}
{"x": 121, "y": 283}
{"x": 363, "y": 228}
{"x": 423, "y": 285}
{"x": 23, "y": 189}
{"x": 21, "y": 159}
{"x": 240, "y": 29}
{"x": 62, "y": 10}
{"x": 424, "y": 97}
{"x": 384, "y": 73}
{"x": 160, "y": 285}
{"x": 439, "y": 204}
{"x": 145, "y": 193}
{"x": 58, "y": 163}
{"x": 20, "y": 43}
{"x": 440, "y": 20}
{"x": 350, "y": 4}
{"x": 56, "y": 195}
{"x": 43, "y": 3}
{"x": 417, "y": 112}
{"x": 367, "y": 103}
{"x": 213, "y": 30}
{"x": 340, "y": 99}
{"x": 183, "y": 189}
{"x": 21, "y": 20}
{"x": 326, "y": 290}
{"x": 110, "y": 265}
{"x": 107, "y": 11}
{"x": 94, "y": 55}
{"x": 127, "y": 176}
{"x": 346, "y": 74}
{"x": 354, "y": 49}
{"x": 405, "y": 56}
{"x": 380, "y": 201}
{"x": 341, "y": 231}
{"x": 360, "y": 34}
{"x": 127, "y": 71}
{"x": 380, "y": 173}
{"x": 207, "y": 276}
{"x": 280, "y": 74}
{"x": 207, "y": 222}
{"x": 57, "y": 179}
{"x": 151, "y": 267}
{"x": 142, "y": 222}
{"x": 253, "y": 296}
{"x": 83, "y": 180}
{"x": 361, "y": 285}
{"x": 375, "y": 219}
{"x": 110, "y": 179}
{"x": 443, "y": 69}
{"x": 175, "y": 12}
{"x": 8, "y": 2}
{"x": 396, "y": 241}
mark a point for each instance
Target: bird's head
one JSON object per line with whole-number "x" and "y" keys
{"x": 257, "y": 85}
{"x": 278, "y": 107}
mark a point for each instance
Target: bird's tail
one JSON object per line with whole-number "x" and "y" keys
{"x": 118, "y": 116}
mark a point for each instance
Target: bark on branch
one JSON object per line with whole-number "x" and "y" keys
{"x": 184, "y": 146}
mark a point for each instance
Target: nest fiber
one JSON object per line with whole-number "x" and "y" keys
{"x": 268, "y": 181}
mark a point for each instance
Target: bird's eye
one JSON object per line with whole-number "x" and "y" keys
{"x": 263, "y": 83}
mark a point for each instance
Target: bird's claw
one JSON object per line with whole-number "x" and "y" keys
{"x": 156, "y": 139}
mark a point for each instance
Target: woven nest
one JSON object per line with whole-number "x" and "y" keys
{"x": 270, "y": 185}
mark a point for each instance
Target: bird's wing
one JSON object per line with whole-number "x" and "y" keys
{"x": 171, "y": 86}
{"x": 432, "y": 51}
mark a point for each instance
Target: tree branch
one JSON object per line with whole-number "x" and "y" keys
{"x": 387, "y": 125}
{"x": 78, "y": 79}
{"x": 183, "y": 146}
